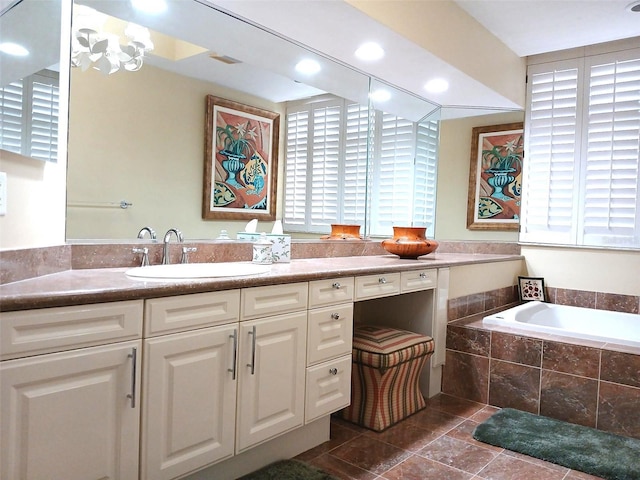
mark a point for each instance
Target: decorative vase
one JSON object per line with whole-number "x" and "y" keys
{"x": 409, "y": 242}
{"x": 499, "y": 180}
{"x": 232, "y": 166}
{"x": 343, "y": 232}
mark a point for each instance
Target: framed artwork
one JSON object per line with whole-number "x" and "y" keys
{"x": 241, "y": 161}
{"x": 531, "y": 288}
{"x": 495, "y": 177}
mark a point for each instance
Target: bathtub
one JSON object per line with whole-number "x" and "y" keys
{"x": 587, "y": 323}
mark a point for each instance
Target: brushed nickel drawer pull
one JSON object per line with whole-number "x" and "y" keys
{"x": 423, "y": 275}
{"x": 253, "y": 350}
{"x": 235, "y": 354}
{"x": 335, "y": 316}
{"x": 382, "y": 280}
{"x": 333, "y": 371}
{"x": 337, "y": 285}
{"x": 133, "y": 356}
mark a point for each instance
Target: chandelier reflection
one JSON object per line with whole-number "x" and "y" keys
{"x": 94, "y": 47}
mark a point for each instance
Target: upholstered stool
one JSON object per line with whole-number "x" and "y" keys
{"x": 387, "y": 363}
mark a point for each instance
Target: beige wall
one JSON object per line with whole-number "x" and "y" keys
{"x": 453, "y": 178}
{"x": 478, "y": 278}
{"x": 131, "y": 141}
{"x": 450, "y": 33}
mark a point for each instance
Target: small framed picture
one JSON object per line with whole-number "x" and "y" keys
{"x": 531, "y": 288}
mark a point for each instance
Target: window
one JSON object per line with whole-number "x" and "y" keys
{"x": 29, "y": 116}
{"x": 328, "y": 178}
{"x": 581, "y": 182}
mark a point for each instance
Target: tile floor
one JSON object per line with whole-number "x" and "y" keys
{"x": 435, "y": 443}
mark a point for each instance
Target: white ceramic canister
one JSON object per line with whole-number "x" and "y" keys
{"x": 262, "y": 250}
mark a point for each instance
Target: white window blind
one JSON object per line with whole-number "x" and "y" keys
{"x": 333, "y": 187}
{"x": 581, "y": 174}
{"x": 29, "y": 116}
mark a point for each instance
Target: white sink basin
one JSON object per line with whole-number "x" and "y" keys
{"x": 198, "y": 270}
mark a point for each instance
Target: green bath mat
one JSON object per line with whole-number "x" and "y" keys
{"x": 585, "y": 449}
{"x": 288, "y": 470}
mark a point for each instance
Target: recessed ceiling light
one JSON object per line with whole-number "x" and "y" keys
{"x": 634, "y": 7}
{"x": 150, "y": 6}
{"x": 380, "y": 95}
{"x": 369, "y": 51}
{"x": 437, "y": 85}
{"x": 308, "y": 67}
{"x": 13, "y": 49}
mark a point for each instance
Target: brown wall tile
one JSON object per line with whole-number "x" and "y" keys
{"x": 466, "y": 376}
{"x": 616, "y": 302}
{"x": 468, "y": 340}
{"x": 514, "y": 386}
{"x": 516, "y": 349}
{"x": 618, "y": 409}
{"x": 569, "y": 398}
{"x": 573, "y": 359}
{"x": 577, "y": 298}
{"x": 620, "y": 367}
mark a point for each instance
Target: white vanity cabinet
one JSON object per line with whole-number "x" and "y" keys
{"x": 72, "y": 414}
{"x": 329, "y": 339}
{"x": 271, "y": 366}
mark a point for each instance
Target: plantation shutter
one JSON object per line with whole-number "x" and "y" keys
{"x": 44, "y": 118}
{"x": 393, "y": 173}
{"x": 612, "y": 174}
{"x": 425, "y": 177}
{"x": 323, "y": 184}
{"x": 354, "y": 175}
{"x": 11, "y": 117}
{"x": 549, "y": 172}
{"x": 296, "y": 169}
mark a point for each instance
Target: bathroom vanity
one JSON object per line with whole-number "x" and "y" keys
{"x": 106, "y": 376}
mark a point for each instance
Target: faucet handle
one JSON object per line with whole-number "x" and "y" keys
{"x": 185, "y": 253}
{"x": 145, "y": 255}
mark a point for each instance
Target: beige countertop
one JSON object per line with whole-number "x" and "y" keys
{"x": 86, "y": 286}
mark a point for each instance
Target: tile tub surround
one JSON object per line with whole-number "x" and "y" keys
{"x": 588, "y": 383}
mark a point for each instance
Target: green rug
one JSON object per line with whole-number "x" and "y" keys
{"x": 288, "y": 470}
{"x": 585, "y": 449}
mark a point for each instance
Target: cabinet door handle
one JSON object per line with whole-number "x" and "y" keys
{"x": 235, "y": 354}
{"x": 252, "y": 332}
{"x": 133, "y": 356}
{"x": 335, "y": 316}
{"x": 382, "y": 280}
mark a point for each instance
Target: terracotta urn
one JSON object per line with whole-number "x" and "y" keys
{"x": 343, "y": 232}
{"x": 409, "y": 242}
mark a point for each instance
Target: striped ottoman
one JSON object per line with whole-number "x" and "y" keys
{"x": 387, "y": 363}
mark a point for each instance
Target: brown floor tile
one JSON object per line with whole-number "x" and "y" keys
{"x": 458, "y": 454}
{"x": 370, "y": 454}
{"x": 460, "y": 407}
{"x": 464, "y": 432}
{"x": 341, "y": 469}
{"x": 484, "y": 414}
{"x": 406, "y": 435}
{"x": 435, "y": 420}
{"x": 418, "y": 468}
{"x": 339, "y": 435}
{"x": 574, "y": 475}
{"x": 505, "y": 467}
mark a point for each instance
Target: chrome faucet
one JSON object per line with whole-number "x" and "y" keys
{"x": 151, "y": 231}
{"x": 167, "y": 238}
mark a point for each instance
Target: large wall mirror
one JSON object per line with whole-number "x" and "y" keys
{"x": 136, "y": 138}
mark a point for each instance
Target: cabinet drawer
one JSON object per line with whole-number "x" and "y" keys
{"x": 273, "y": 299}
{"x": 186, "y": 312}
{"x": 328, "y": 388}
{"x": 418, "y": 280}
{"x": 372, "y": 286}
{"x": 330, "y": 332}
{"x": 330, "y": 292}
{"x": 47, "y": 330}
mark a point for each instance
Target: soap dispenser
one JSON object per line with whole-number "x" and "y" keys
{"x": 262, "y": 250}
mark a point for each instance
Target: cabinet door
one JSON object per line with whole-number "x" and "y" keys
{"x": 188, "y": 418}
{"x": 330, "y": 332}
{"x": 272, "y": 377}
{"x": 71, "y": 415}
{"x": 328, "y": 387}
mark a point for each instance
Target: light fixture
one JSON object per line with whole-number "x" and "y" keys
{"x": 437, "y": 85}
{"x": 94, "y": 47}
{"x": 307, "y": 67}
{"x": 13, "y": 49}
{"x": 150, "y": 6}
{"x": 380, "y": 95}
{"x": 369, "y": 51}
{"x": 634, "y": 7}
